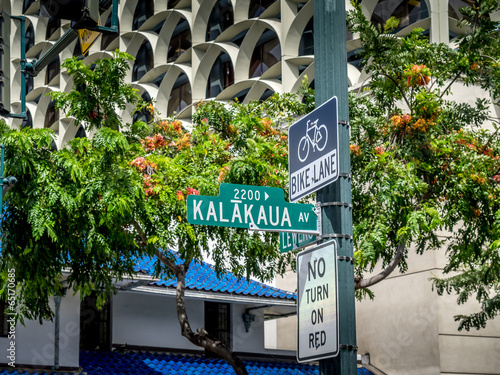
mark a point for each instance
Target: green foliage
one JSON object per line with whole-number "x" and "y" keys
{"x": 100, "y": 90}
{"x": 88, "y": 210}
{"x": 426, "y": 168}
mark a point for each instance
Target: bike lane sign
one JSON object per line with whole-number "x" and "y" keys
{"x": 313, "y": 151}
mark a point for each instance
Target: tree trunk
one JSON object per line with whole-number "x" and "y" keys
{"x": 202, "y": 339}
{"x": 365, "y": 283}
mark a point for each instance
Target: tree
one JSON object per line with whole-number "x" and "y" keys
{"x": 96, "y": 205}
{"x": 424, "y": 163}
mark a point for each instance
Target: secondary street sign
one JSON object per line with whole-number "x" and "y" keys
{"x": 294, "y": 241}
{"x": 313, "y": 151}
{"x": 317, "y": 308}
{"x": 252, "y": 207}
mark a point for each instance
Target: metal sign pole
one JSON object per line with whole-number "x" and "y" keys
{"x": 331, "y": 80}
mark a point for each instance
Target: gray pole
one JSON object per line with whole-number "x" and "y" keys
{"x": 330, "y": 67}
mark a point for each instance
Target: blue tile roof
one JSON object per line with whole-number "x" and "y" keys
{"x": 202, "y": 277}
{"x": 145, "y": 363}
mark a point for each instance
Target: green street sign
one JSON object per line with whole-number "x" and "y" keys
{"x": 294, "y": 241}
{"x": 252, "y": 207}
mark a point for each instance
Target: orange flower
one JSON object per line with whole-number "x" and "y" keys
{"x": 355, "y": 150}
{"x": 180, "y": 195}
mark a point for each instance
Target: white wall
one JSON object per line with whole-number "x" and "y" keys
{"x": 151, "y": 320}
{"x": 34, "y": 342}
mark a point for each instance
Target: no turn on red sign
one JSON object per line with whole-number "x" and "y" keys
{"x": 317, "y": 311}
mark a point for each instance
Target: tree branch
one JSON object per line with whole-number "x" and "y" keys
{"x": 201, "y": 338}
{"x": 365, "y": 283}
{"x": 167, "y": 262}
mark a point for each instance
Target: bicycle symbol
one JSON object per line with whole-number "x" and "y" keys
{"x": 316, "y": 136}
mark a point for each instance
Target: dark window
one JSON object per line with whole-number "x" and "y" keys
{"x": 80, "y": 133}
{"x": 354, "y": 57}
{"x": 241, "y": 95}
{"x": 53, "y": 70}
{"x": 157, "y": 81}
{"x": 180, "y": 40}
{"x": 144, "y": 10}
{"x": 257, "y": 7}
{"x": 158, "y": 27}
{"x": 172, "y": 4}
{"x": 218, "y": 323}
{"x": 30, "y": 38}
{"x": 4, "y": 324}
{"x": 221, "y": 76}
{"x": 238, "y": 39}
{"x": 143, "y": 61}
{"x": 454, "y": 8}
{"x": 144, "y": 114}
{"x": 77, "y": 52}
{"x": 267, "y": 52}
{"x": 407, "y": 12}
{"x": 95, "y": 325}
{"x": 107, "y": 38}
{"x": 220, "y": 19}
{"x": 180, "y": 96}
{"x": 27, "y": 121}
{"x": 53, "y": 25}
{"x": 306, "y": 45}
{"x": 266, "y": 95}
{"x": 52, "y": 114}
{"x": 27, "y": 4}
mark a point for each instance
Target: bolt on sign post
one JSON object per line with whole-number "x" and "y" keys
{"x": 330, "y": 66}
{"x": 317, "y": 310}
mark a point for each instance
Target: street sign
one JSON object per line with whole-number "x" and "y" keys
{"x": 252, "y": 207}
{"x": 313, "y": 151}
{"x": 87, "y": 39}
{"x": 293, "y": 241}
{"x": 317, "y": 307}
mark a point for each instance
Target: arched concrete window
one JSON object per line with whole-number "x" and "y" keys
{"x": 53, "y": 25}
{"x": 144, "y": 10}
{"x": 27, "y": 121}
{"x": 407, "y": 12}
{"x": 53, "y": 70}
{"x": 107, "y": 38}
{"x": 267, "y": 52}
{"x": 306, "y": 45}
{"x": 29, "y": 38}
{"x": 80, "y": 133}
{"x": 180, "y": 96}
{"x": 220, "y": 19}
{"x": 221, "y": 75}
{"x": 144, "y": 114}
{"x": 52, "y": 115}
{"x": 180, "y": 40}
{"x": 257, "y": 7}
{"x": 143, "y": 61}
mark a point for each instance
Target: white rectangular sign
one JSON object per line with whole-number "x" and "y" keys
{"x": 317, "y": 313}
{"x": 313, "y": 156}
